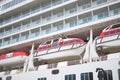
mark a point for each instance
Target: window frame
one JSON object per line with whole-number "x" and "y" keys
{"x": 109, "y": 74}
{"x": 43, "y": 78}
{"x": 118, "y": 74}
{"x": 70, "y": 77}
{"x": 86, "y": 76}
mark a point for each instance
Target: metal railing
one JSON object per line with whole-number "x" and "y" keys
{"x": 38, "y": 9}
{"x": 71, "y": 24}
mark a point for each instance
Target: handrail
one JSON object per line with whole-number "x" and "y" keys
{"x": 101, "y": 41}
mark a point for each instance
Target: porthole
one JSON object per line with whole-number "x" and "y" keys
{"x": 55, "y": 71}
{"x": 8, "y": 78}
{"x": 119, "y": 62}
{"x": 0, "y": 78}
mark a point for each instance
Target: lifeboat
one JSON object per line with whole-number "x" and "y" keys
{"x": 13, "y": 58}
{"x": 109, "y": 39}
{"x": 61, "y": 48}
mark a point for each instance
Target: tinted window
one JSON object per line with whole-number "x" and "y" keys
{"x": 55, "y": 40}
{"x": 115, "y": 26}
{"x": 77, "y": 41}
{"x": 40, "y": 48}
{"x": 86, "y": 76}
{"x": 55, "y": 43}
{"x": 44, "y": 47}
{"x": 60, "y": 44}
{"x": 119, "y": 73}
{"x": 48, "y": 42}
{"x": 65, "y": 43}
{"x": 106, "y": 34}
{"x": 118, "y": 30}
{"x": 104, "y": 74}
{"x": 49, "y": 46}
{"x": 109, "y": 74}
{"x": 44, "y": 78}
{"x": 8, "y": 78}
{"x": 71, "y": 41}
{"x": 70, "y": 77}
{"x": 112, "y": 32}
{"x": 55, "y": 71}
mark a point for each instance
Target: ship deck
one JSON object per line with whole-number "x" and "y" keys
{"x": 83, "y": 32}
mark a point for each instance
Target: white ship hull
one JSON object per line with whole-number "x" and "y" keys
{"x": 60, "y": 28}
{"x": 63, "y": 52}
{"x": 69, "y": 70}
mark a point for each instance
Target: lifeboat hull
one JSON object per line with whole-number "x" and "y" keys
{"x": 108, "y": 44}
{"x": 62, "y": 52}
{"x": 14, "y": 61}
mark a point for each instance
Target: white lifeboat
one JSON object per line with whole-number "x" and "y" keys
{"x": 109, "y": 39}
{"x": 13, "y": 58}
{"x": 61, "y": 48}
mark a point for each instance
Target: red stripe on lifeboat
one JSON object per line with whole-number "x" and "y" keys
{"x": 3, "y": 56}
{"x": 20, "y": 53}
{"x": 17, "y": 53}
{"x": 110, "y": 30}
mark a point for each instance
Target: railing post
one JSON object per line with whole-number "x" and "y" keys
{"x": 118, "y": 36}
{"x": 91, "y": 42}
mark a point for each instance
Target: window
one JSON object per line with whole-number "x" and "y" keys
{"x": 102, "y": 15}
{"x": 44, "y": 47}
{"x": 9, "y": 55}
{"x": 118, "y": 30}
{"x": 87, "y": 76}
{"x": 106, "y": 34}
{"x": 115, "y": 26}
{"x": 104, "y": 74}
{"x": 66, "y": 42}
{"x": 55, "y": 71}
{"x": 119, "y": 73}
{"x": 77, "y": 41}
{"x": 60, "y": 27}
{"x": 116, "y": 11}
{"x": 44, "y": 78}
{"x": 72, "y": 24}
{"x": 49, "y": 46}
{"x": 40, "y": 48}
{"x": 71, "y": 41}
{"x": 55, "y": 43}
{"x": 109, "y": 74}
{"x": 112, "y": 32}
{"x": 72, "y": 10}
{"x": 70, "y": 77}
{"x": 48, "y": 42}
{"x": 61, "y": 44}
{"x": 11, "y": 3}
{"x": 8, "y": 78}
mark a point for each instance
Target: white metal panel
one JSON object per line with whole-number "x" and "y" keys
{"x": 109, "y": 38}
{"x": 41, "y": 67}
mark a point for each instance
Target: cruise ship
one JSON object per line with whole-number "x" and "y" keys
{"x": 60, "y": 39}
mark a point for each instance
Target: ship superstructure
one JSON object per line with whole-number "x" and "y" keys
{"x": 61, "y": 33}
{"x": 26, "y": 21}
